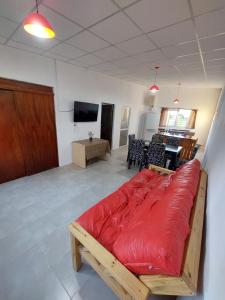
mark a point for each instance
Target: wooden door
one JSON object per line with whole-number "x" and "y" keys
{"x": 107, "y": 122}
{"x": 37, "y": 130}
{"x": 11, "y": 156}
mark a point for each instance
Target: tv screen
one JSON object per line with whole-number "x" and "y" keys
{"x": 85, "y": 112}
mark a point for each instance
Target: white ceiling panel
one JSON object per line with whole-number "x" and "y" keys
{"x": 137, "y": 45}
{"x": 22, "y": 36}
{"x": 154, "y": 56}
{"x": 87, "y": 41}
{"x": 116, "y": 29}
{"x": 175, "y": 34}
{"x": 110, "y": 53}
{"x": 155, "y": 14}
{"x": 90, "y": 59}
{"x": 205, "y": 6}
{"x": 105, "y": 67}
{"x": 24, "y": 47}
{"x": 86, "y": 12}
{"x": 126, "y": 62}
{"x": 2, "y": 40}
{"x": 78, "y": 63}
{"x": 67, "y": 51}
{"x": 7, "y": 27}
{"x": 189, "y": 59}
{"x": 55, "y": 56}
{"x": 211, "y": 23}
{"x": 16, "y": 10}
{"x": 124, "y": 3}
{"x": 211, "y": 43}
{"x": 216, "y": 54}
{"x": 62, "y": 26}
{"x": 180, "y": 50}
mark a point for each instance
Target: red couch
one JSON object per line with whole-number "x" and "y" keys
{"x": 146, "y": 221}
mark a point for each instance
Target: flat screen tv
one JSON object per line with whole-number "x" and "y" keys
{"x": 85, "y": 112}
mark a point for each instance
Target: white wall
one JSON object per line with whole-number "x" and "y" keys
{"x": 72, "y": 83}
{"x": 202, "y": 99}
{"x": 214, "y": 163}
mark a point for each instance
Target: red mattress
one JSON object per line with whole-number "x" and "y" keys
{"x": 146, "y": 221}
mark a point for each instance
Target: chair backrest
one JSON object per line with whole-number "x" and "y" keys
{"x": 156, "y": 154}
{"x": 173, "y": 141}
{"x": 137, "y": 150}
{"x": 131, "y": 137}
{"x": 157, "y": 138}
{"x": 194, "y": 151}
{"x": 188, "y": 146}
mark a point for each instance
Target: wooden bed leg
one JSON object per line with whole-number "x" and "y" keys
{"x": 76, "y": 256}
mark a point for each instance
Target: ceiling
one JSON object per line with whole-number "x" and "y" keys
{"x": 127, "y": 38}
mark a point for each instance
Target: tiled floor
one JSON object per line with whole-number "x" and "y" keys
{"x": 35, "y": 262}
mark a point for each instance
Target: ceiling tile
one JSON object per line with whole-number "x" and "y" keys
{"x": 110, "y": 53}
{"x": 86, "y": 12}
{"x": 2, "y": 40}
{"x": 180, "y": 50}
{"x": 124, "y": 3}
{"x": 63, "y": 27}
{"x": 24, "y": 47}
{"x": 90, "y": 59}
{"x": 205, "y": 6}
{"x": 78, "y": 63}
{"x": 116, "y": 29}
{"x": 67, "y": 51}
{"x": 155, "y": 14}
{"x": 211, "y": 43}
{"x": 216, "y": 54}
{"x": 136, "y": 45}
{"x": 211, "y": 23}
{"x": 151, "y": 56}
{"x": 16, "y": 10}
{"x": 125, "y": 62}
{"x": 7, "y": 27}
{"x": 23, "y": 37}
{"x": 105, "y": 67}
{"x": 188, "y": 59}
{"x": 87, "y": 41}
{"x": 55, "y": 56}
{"x": 175, "y": 34}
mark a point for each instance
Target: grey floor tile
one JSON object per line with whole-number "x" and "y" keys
{"x": 35, "y": 262}
{"x": 95, "y": 289}
{"x": 71, "y": 280}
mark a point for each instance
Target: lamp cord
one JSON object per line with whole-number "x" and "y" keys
{"x": 37, "y": 6}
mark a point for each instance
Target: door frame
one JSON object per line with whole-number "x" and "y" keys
{"x": 124, "y": 106}
{"x": 113, "y": 119}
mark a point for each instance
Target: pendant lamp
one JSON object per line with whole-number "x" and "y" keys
{"x": 176, "y": 100}
{"x": 37, "y": 25}
{"x": 154, "y": 88}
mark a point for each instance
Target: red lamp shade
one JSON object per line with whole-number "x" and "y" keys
{"x": 154, "y": 88}
{"x": 38, "y": 25}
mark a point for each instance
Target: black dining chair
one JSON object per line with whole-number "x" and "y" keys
{"x": 155, "y": 154}
{"x": 137, "y": 153}
{"x": 131, "y": 137}
{"x": 173, "y": 141}
{"x": 157, "y": 138}
{"x": 181, "y": 162}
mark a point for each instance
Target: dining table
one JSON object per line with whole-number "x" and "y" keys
{"x": 173, "y": 152}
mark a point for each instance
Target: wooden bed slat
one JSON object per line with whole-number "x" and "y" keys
{"x": 121, "y": 274}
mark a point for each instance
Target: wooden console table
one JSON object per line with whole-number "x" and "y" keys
{"x": 85, "y": 150}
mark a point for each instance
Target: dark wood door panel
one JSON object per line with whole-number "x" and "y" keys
{"x": 107, "y": 122}
{"x": 11, "y": 156}
{"x": 37, "y": 131}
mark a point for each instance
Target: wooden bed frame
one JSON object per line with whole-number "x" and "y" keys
{"x": 124, "y": 283}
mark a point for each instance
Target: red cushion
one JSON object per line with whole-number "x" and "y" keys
{"x": 146, "y": 221}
